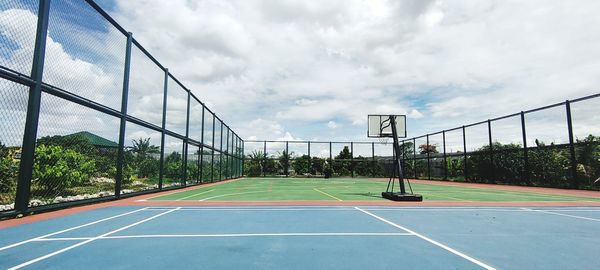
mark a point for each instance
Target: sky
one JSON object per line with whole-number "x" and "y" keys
{"x": 314, "y": 70}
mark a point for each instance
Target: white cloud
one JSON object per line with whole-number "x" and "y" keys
{"x": 332, "y": 125}
{"x": 279, "y": 69}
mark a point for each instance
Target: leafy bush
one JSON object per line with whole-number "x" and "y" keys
{"x": 148, "y": 167}
{"x": 73, "y": 142}
{"x": 56, "y": 168}
{"x": 301, "y": 164}
{"x": 173, "y": 166}
{"x": 362, "y": 166}
{"x": 9, "y": 170}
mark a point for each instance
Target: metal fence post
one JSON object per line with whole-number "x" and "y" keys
{"x": 243, "y": 157}
{"x": 212, "y": 151}
{"x": 352, "y": 159}
{"x": 186, "y": 142}
{"x": 465, "y": 169}
{"x": 492, "y": 167}
{"x": 287, "y": 159}
{"x": 445, "y": 155}
{"x": 373, "y": 159}
{"x": 201, "y": 158}
{"x": 221, "y": 152}
{"x": 124, "y": 97}
{"x": 428, "y": 158}
{"x": 403, "y": 163}
{"x": 33, "y": 110}
{"x": 415, "y": 157}
{"x": 161, "y": 174}
{"x": 264, "y": 170}
{"x": 228, "y": 153}
{"x": 309, "y": 161}
{"x": 575, "y": 179}
{"x": 525, "y": 150}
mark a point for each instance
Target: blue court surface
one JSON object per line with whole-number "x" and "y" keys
{"x": 281, "y": 237}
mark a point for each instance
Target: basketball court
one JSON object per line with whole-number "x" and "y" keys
{"x": 308, "y": 237}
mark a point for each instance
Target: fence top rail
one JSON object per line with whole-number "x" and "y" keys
{"x": 113, "y": 22}
{"x": 106, "y": 16}
{"x": 307, "y": 142}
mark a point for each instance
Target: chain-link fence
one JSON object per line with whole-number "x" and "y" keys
{"x": 552, "y": 146}
{"x": 317, "y": 159}
{"x": 88, "y": 114}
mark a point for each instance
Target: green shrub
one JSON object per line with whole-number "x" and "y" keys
{"x": 148, "y": 167}
{"x": 173, "y": 166}
{"x": 56, "y": 168}
{"x": 9, "y": 170}
{"x": 301, "y": 164}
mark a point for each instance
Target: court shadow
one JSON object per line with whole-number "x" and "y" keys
{"x": 368, "y": 194}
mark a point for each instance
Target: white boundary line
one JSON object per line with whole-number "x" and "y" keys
{"x": 70, "y": 229}
{"x": 368, "y": 208}
{"x": 456, "y": 252}
{"x": 194, "y": 195}
{"x": 225, "y": 235}
{"x": 88, "y": 241}
{"x": 560, "y": 214}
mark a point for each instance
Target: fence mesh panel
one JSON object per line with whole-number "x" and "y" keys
{"x": 173, "y": 162}
{"x": 85, "y": 54}
{"x": 13, "y": 107}
{"x": 146, "y": 88}
{"x": 75, "y": 155}
{"x": 18, "y": 21}
{"x": 177, "y": 99}
{"x": 142, "y": 159}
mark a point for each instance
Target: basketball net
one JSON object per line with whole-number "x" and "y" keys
{"x": 384, "y": 140}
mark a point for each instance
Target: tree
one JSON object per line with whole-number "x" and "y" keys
{"x": 173, "y": 166}
{"x": 56, "y": 168}
{"x": 142, "y": 148}
{"x": 427, "y": 149}
{"x": 143, "y": 160}
{"x": 284, "y": 161}
{"x": 588, "y": 159}
{"x": 301, "y": 164}
{"x": 254, "y": 163}
{"x": 9, "y": 170}
{"x": 74, "y": 142}
{"x": 342, "y": 164}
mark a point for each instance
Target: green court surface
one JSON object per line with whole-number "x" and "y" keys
{"x": 350, "y": 189}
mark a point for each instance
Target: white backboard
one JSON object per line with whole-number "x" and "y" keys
{"x": 379, "y": 125}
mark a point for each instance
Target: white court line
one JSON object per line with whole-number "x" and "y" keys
{"x": 70, "y": 229}
{"x": 456, "y": 252}
{"x": 194, "y": 195}
{"x": 477, "y": 209}
{"x": 231, "y": 194}
{"x": 225, "y": 235}
{"x": 258, "y": 209}
{"x": 560, "y": 214}
{"x": 88, "y": 241}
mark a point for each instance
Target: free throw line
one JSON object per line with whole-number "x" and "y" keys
{"x": 224, "y": 235}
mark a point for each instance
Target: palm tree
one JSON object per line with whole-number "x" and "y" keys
{"x": 142, "y": 148}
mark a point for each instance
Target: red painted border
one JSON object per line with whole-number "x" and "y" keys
{"x": 141, "y": 201}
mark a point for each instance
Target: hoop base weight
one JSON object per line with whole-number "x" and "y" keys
{"x": 404, "y": 197}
